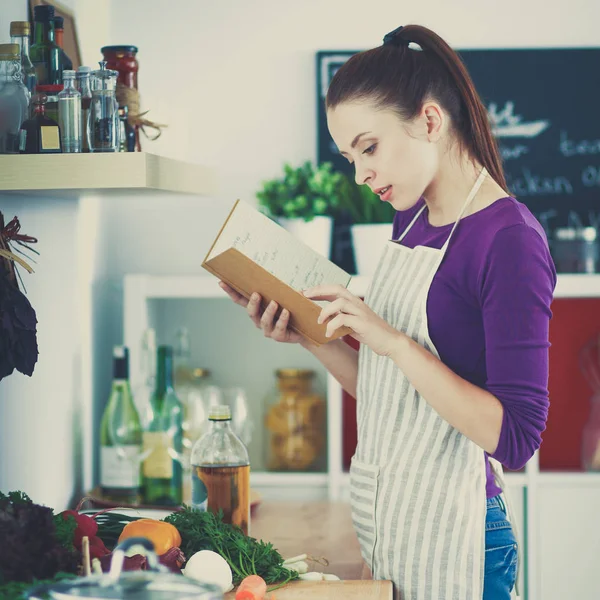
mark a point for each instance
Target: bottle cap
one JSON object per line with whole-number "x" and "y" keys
{"x": 68, "y": 74}
{"x": 59, "y": 23}
{"x": 118, "y": 49}
{"x": 219, "y": 412}
{"x": 9, "y": 52}
{"x": 43, "y": 13}
{"x": 20, "y": 28}
{"x": 84, "y": 70}
{"x": 120, "y": 362}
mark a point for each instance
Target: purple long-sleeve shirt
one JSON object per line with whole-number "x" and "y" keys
{"x": 488, "y": 313}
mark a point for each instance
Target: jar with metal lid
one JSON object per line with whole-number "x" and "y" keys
{"x": 295, "y": 422}
{"x": 157, "y": 583}
{"x": 123, "y": 59}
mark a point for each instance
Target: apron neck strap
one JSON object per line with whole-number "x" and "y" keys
{"x": 468, "y": 201}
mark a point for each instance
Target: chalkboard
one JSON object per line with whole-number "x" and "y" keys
{"x": 543, "y": 106}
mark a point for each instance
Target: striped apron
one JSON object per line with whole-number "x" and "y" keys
{"x": 417, "y": 485}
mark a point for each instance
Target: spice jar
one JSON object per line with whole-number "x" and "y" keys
{"x": 123, "y": 59}
{"x": 295, "y": 422}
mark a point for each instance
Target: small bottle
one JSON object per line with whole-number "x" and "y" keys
{"x": 83, "y": 86}
{"x": 66, "y": 64}
{"x": 163, "y": 440}
{"x": 14, "y": 99}
{"x": 221, "y": 471}
{"x": 40, "y": 134}
{"x": 19, "y": 34}
{"x": 126, "y": 131}
{"x": 120, "y": 437}
{"x": 69, "y": 114}
{"x": 44, "y": 53}
{"x": 147, "y": 381}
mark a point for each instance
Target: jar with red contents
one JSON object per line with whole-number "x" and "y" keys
{"x": 123, "y": 60}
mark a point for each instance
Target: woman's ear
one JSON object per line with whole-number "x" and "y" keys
{"x": 434, "y": 119}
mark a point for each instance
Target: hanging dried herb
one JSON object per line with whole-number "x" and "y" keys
{"x": 18, "y": 334}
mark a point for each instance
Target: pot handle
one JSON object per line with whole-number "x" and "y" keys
{"x": 118, "y": 557}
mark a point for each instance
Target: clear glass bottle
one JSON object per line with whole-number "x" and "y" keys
{"x": 147, "y": 383}
{"x": 44, "y": 53}
{"x": 296, "y": 424}
{"x": 40, "y": 134}
{"x": 221, "y": 471}
{"x": 103, "y": 123}
{"x": 120, "y": 437}
{"x": 14, "y": 99}
{"x": 84, "y": 88}
{"x": 69, "y": 114}
{"x": 163, "y": 440}
{"x": 19, "y": 34}
{"x": 126, "y": 131}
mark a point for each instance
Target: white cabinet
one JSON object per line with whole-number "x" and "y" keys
{"x": 569, "y": 539}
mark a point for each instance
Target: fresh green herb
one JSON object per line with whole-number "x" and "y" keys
{"x": 245, "y": 555}
{"x": 16, "y": 590}
{"x": 65, "y": 531}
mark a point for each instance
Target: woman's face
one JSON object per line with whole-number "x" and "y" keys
{"x": 395, "y": 159}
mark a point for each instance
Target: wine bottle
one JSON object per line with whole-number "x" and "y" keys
{"x": 163, "y": 440}
{"x": 120, "y": 437}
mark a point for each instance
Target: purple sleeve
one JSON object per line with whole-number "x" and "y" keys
{"x": 517, "y": 283}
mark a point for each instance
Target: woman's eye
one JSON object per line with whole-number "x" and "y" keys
{"x": 370, "y": 149}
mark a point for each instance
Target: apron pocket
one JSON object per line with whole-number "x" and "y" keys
{"x": 363, "y": 495}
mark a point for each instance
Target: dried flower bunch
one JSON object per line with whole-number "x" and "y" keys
{"x": 18, "y": 335}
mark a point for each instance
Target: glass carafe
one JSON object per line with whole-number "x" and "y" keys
{"x": 103, "y": 120}
{"x": 14, "y": 99}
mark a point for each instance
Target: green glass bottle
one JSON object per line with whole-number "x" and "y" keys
{"x": 120, "y": 437}
{"x": 44, "y": 53}
{"x": 163, "y": 439}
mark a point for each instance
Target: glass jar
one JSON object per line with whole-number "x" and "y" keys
{"x": 123, "y": 59}
{"x": 14, "y": 99}
{"x": 295, "y": 423}
{"x": 590, "y": 439}
{"x": 103, "y": 121}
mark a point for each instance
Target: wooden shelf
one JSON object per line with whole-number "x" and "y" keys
{"x": 101, "y": 172}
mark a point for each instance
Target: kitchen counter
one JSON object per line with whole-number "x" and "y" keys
{"x": 319, "y": 529}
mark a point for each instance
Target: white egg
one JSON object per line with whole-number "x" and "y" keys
{"x": 209, "y": 567}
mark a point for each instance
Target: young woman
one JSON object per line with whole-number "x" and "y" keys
{"x": 453, "y": 364}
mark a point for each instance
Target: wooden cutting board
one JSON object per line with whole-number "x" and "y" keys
{"x": 331, "y": 590}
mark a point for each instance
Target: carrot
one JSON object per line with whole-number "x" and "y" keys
{"x": 252, "y": 587}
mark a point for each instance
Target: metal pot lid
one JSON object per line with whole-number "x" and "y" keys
{"x": 135, "y": 585}
{"x": 157, "y": 583}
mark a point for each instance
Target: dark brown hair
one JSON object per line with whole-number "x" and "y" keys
{"x": 401, "y": 78}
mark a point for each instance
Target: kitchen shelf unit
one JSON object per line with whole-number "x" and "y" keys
{"x": 74, "y": 174}
{"x": 139, "y": 289}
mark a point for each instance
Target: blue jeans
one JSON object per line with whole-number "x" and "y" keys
{"x": 500, "y": 553}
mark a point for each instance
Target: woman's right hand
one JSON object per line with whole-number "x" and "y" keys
{"x": 276, "y": 330}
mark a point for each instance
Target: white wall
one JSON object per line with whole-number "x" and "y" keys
{"x": 235, "y": 81}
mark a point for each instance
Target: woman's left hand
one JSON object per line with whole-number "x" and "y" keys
{"x": 345, "y": 309}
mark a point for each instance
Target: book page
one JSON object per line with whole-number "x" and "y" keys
{"x": 276, "y": 250}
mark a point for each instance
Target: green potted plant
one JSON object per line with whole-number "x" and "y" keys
{"x": 304, "y": 201}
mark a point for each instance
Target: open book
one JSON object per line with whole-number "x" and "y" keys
{"x": 252, "y": 253}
